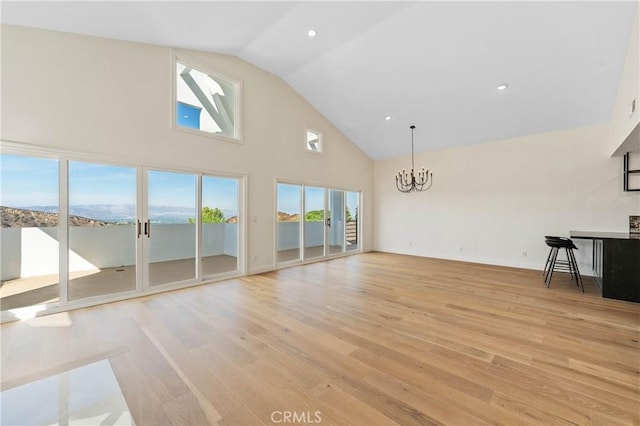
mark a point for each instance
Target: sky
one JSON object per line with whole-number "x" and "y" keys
{"x": 28, "y": 181}
{"x": 31, "y": 181}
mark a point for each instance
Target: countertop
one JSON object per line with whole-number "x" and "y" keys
{"x": 600, "y": 235}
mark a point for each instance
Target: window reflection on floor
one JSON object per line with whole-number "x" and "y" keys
{"x": 88, "y": 395}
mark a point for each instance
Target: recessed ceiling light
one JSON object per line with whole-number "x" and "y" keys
{"x": 502, "y": 86}
{"x": 388, "y": 117}
{"x": 312, "y": 33}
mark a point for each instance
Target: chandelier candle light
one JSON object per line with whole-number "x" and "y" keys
{"x": 411, "y": 181}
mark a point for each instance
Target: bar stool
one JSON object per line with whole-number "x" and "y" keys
{"x": 553, "y": 264}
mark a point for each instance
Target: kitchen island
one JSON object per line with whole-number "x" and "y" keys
{"x": 616, "y": 263}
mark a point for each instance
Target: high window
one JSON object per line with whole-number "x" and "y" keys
{"x": 314, "y": 141}
{"x": 205, "y": 102}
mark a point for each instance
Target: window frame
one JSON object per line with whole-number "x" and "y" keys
{"x": 320, "y": 141}
{"x": 203, "y": 67}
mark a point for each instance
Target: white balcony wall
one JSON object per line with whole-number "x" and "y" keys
{"x": 172, "y": 242}
{"x": 104, "y": 246}
{"x": 32, "y": 252}
{"x": 219, "y": 238}
{"x": 11, "y": 246}
{"x": 230, "y": 238}
{"x": 314, "y": 234}
{"x": 28, "y": 252}
{"x": 289, "y": 234}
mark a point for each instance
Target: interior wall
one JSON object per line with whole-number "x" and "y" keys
{"x": 113, "y": 98}
{"x": 492, "y": 202}
{"x": 623, "y": 121}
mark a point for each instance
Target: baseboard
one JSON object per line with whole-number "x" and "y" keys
{"x": 535, "y": 266}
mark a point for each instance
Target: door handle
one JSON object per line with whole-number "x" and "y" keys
{"x": 139, "y": 229}
{"x": 147, "y": 228}
{"x": 329, "y": 222}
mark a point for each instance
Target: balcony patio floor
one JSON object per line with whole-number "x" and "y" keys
{"x": 22, "y": 292}
{"x": 311, "y": 252}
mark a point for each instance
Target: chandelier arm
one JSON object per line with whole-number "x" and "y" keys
{"x": 430, "y": 183}
{"x": 429, "y": 180}
{"x": 403, "y": 188}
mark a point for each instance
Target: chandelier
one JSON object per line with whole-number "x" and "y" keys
{"x": 413, "y": 181}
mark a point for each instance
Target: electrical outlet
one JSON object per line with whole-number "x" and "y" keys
{"x": 524, "y": 254}
{"x": 461, "y": 248}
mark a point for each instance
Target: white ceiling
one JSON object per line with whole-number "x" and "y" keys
{"x": 432, "y": 64}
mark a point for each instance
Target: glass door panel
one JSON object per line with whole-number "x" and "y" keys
{"x": 29, "y": 249}
{"x": 170, "y": 229}
{"x": 314, "y": 234}
{"x": 336, "y": 222}
{"x": 352, "y": 240}
{"x": 102, "y": 229}
{"x": 289, "y": 200}
{"x": 219, "y": 225}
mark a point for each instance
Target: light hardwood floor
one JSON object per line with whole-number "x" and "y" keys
{"x": 372, "y": 339}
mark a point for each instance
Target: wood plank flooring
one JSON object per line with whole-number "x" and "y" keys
{"x": 372, "y": 339}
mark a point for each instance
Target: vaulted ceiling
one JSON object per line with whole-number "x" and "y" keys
{"x": 433, "y": 64}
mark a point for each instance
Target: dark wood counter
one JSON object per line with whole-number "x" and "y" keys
{"x": 616, "y": 263}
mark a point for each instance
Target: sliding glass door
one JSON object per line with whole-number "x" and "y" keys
{"x": 327, "y": 228}
{"x": 335, "y": 224}
{"x": 29, "y": 237}
{"x": 352, "y": 231}
{"x": 314, "y": 214}
{"x": 170, "y": 227}
{"x": 102, "y": 240}
{"x": 75, "y": 231}
{"x": 288, "y": 234}
{"x": 220, "y": 220}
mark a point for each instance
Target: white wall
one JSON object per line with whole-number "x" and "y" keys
{"x": 113, "y": 98}
{"x": 498, "y": 199}
{"x": 622, "y": 121}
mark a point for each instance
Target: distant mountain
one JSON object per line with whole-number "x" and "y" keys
{"x": 23, "y": 218}
{"x": 125, "y": 213}
{"x": 106, "y": 212}
{"x": 102, "y": 212}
